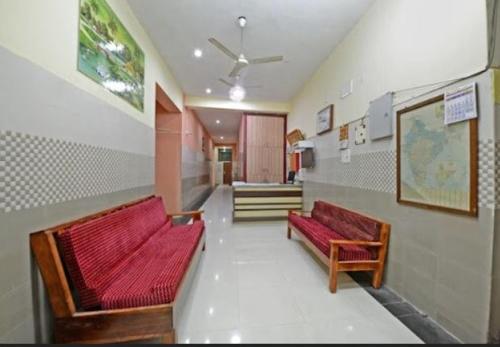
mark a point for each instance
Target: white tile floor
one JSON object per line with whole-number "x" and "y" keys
{"x": 255, "y": 286}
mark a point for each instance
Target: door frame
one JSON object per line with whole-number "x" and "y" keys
{"x": 230, "y": 165}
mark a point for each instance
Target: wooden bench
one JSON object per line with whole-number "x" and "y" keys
{"x": 84, "y": 262}
{"x": 343, "y": 239}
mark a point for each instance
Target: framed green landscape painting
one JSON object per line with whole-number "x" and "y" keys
{"x": 108, "y": 54}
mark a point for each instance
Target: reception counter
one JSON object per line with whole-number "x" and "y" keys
{"x": 265, "y": 201}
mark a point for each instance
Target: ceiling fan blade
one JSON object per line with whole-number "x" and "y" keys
{"x": 236, "y": 70}
{"x": 266, "y": 60}
{"x": 226, "y": 82}
{"x": 223, "y": 48}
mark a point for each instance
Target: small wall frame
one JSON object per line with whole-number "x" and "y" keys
{"x": 324, "y": 120}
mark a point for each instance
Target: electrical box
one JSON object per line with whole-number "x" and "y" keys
{"x": 346, "y": 89}
{"x": 380, "y": 113}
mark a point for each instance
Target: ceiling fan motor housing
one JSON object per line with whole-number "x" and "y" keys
{"x": 242, "y": 59}
{"x": 242, "y": 21}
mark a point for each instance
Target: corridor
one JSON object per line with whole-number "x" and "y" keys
{"x": 255, "y": 286}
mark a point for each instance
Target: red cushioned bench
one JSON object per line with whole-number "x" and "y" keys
{"x": 119, "y": 275}
{"x": 343, "y": 239}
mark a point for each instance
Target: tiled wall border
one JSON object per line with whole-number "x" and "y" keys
{"x": 195, "y": 176}
{"x": 38, "y": 171}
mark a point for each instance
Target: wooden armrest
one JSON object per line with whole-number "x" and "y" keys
{"x": 195, "y": 214}
{"x": 298, "y": 212}
{"x": 356, "y": 243}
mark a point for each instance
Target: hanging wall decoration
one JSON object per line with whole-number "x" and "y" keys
{"x": 324, "y": 120}
{"x": 344, "y": 136}
{"x": 344, "y": 133}
{"x": 108, "y": 54}
{"x": 437, "y": 163}
{"x": 294, "y": 136}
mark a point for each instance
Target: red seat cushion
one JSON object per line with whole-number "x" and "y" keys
{"x": 349, "y": 224}
{"x": 154, "y": 273}
{"x": 91, "y": 250}
{"x": 320, "y": 236}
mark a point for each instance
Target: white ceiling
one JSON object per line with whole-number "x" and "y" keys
{"x": 305, "y": 32}
{"x": 228, "y": 128}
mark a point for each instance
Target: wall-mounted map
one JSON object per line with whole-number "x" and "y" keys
{"x": 437, "y": 163}
{"x": 108, "y": 54}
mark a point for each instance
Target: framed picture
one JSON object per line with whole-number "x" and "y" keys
{"x": 324, "y": 120}
{"x": 108, "y": 54}
{"x": 294, "y": 136}
{"x": 437, "y": 164}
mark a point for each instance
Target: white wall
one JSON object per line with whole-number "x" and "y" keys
{"x": 46, "y": 33}
{"x": 396, "y": 45}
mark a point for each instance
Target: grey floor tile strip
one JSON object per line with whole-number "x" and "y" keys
{"x": 196, "y": 205}
{"x": 425, "y": 328}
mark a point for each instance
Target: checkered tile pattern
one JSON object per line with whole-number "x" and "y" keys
{"x": 496, "y": 180}
{"x": 372, "y": 171}
{"x": 377, "y": 171}
{"x": 37, "y": 171}
{"x": 486, "y": 174}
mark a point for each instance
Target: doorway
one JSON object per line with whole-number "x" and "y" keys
{"x": 228, "y": 173}
{"x": 168, "y": 156}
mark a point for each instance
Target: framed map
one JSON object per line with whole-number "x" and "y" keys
{"x": 108, "y": 54}
{"x": 437, "y": 163}
{"x": 324, "y": 120}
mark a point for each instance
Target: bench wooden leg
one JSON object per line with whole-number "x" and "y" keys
{"x": 289, "y": 233}
{"x": 382, "y": 253}
{"x": 333, "y": 280}
{"x": 169, "y": 339}
{"x": 334, "y": 256}
{"x": 377, "y": 278}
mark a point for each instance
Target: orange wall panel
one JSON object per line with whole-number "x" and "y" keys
{"x": 265, "y": 149}
{"x": 194, "y": 132}
{"x": 168, "y": 158}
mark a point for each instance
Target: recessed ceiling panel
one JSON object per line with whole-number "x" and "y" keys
{"x": 229, "y": 125}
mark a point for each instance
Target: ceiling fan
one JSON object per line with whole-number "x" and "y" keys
{"x": 240, "y": 60}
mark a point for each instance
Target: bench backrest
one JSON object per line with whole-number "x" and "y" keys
{"x": 92, "y": 249}
{"x": 350, "y": 224}
{"x": 49, "y": 252}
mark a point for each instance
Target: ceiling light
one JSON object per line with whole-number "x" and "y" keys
{"x": 217, "y": 121}
{"x": 237, "y": 93}
{"x": 208, "y": 91}
{"x": 198, "y": 53}
{"x": 242, "y": 21}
